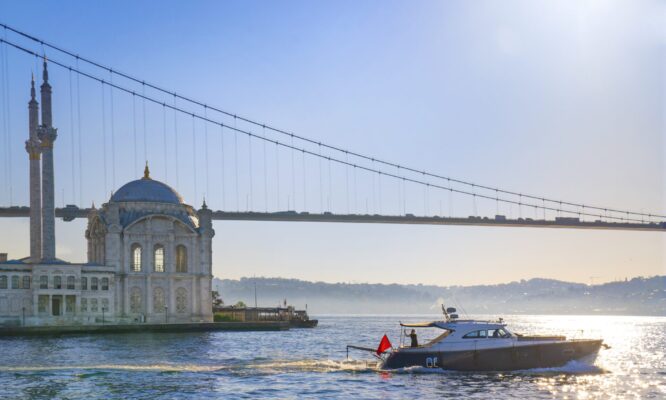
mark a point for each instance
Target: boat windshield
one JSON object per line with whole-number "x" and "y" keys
{"x": 439, "y": 338}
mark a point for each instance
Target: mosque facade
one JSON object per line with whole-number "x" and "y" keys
{"x": 149, "y": 254}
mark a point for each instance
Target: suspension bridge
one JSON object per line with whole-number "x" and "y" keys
{"x": 111, "y": 122}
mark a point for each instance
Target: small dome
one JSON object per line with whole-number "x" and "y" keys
{"x": 146, "y": 189}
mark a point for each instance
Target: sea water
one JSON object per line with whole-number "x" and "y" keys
{"x": 312, "y": 363}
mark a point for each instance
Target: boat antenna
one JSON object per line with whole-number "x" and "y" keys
{"x": 446, "y": 315}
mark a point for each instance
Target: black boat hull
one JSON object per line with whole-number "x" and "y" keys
{"x": 538, "y": 355}
{"x": 310, "y": 323}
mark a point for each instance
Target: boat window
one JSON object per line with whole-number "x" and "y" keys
{"x": 498, "y": 333}
{"x": 474, "y": 335}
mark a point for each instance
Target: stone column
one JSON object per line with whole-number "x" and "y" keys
{"x": 126, "y": 299}
{"x": 169, "y": 301}
{"x": 35, "y": 303}
{"x": 149, "y": 296}
{"x": 191, "y": 302}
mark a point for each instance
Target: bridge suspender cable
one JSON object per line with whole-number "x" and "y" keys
{"x": 311, "y": 141}
{"x": 7, "y": 117}
{"x": 343, "y": 162}
{"x": 113, "y": 140}
{"x": 145, "y": 128}
{"x": 175, "y": 139}
{"x": 103, "y": 137}
{"x": 235, "y": 162}
{"x": 194, "y": 157}
{"x": 165, "y": 140}
{"x": 136, "y": 167}
{"x": 78, "y": 116}
{"x": 207, "y": 191}
{"x": 263, "y": 133}
{"x": 224, "y": 168}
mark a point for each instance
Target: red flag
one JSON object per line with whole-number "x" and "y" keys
{"x": 384, "y": 345}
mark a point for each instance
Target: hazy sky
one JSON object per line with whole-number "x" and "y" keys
{"x": 560, "y": 99}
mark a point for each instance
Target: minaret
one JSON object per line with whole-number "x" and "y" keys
{"x": 205, "y": 273}
{"x": 47, "y": 134}
{"x": 32, "y": 146}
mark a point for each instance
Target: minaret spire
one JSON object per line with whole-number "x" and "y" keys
{"x": 32, "y": 87}
{"x": 46, "y": 97}
{"x": 47, "y": 135}
{"x": 45, "y": 73}
{"x": 33, "y": 147}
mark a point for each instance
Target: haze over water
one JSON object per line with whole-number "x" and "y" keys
{"x": 310, "y": 363}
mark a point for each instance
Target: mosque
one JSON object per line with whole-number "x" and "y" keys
{"x": 149, "y": 253}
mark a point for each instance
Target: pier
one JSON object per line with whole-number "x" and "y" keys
{"x": 54, "y": 330}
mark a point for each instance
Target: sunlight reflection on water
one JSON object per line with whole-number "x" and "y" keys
{"x": 311, "y": 363}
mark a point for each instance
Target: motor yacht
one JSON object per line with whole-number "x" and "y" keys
{"x": 475, "y": 345}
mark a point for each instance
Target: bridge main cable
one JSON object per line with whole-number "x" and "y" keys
{"x": 312, "y": 153}
{"x": 320, "y": 144}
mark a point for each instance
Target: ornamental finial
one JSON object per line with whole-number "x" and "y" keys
{"x": 146, "y": 172}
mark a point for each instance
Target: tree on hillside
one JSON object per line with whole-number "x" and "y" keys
{"x": 217, "y": 300}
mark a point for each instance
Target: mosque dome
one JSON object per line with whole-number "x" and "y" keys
{"x": 147, "y": 189}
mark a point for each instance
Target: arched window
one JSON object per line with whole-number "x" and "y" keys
{"x": 57, "y": 282}
{"x": 93, "y": 283}
{"x": 15, "y": 282}
{"x": 159, "y": 258}
{"x": 3, "y": 281}
{"x": 84, "y": 283}
{"x": 70, "y": 282}
{"x": 26, "y": 282}
{"x": 43, "y": 282}
{"x": 136, "y": 258}
{"x": 105, "y": 283}
{"x": 181, "y": 300}
{"x": 135, "y": 300}
{"x": 181, "y": 258}
{"x": 158, "y": 300}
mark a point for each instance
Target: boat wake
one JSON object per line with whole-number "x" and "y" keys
{"x": 272, "y": 367}
{"x": 117, "y": 367}
{"x": 299, "y": 366}
{"x": 317, "y": 366}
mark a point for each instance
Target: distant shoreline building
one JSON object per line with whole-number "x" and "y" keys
{"x": 149, "y": 253}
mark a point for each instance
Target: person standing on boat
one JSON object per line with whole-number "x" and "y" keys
{"x": 415, "y": 341}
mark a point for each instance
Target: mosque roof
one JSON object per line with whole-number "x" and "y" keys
{"x": 147, "y": 189}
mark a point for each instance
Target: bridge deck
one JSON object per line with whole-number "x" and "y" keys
{"x": 69, "y": 213}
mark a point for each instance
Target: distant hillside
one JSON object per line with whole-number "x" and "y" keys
{"x": 639, "y": 296}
